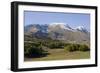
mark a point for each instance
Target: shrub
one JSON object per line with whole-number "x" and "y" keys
{"x": 71, "y": 47}
{"x": 55, "y": 45}
{"x": 84, "y": 48}
{"x": 33, "y": 49}
{"x": 27, "y": 46}
{"x": 76, "y": 47}
{"x": 34, "y": 52}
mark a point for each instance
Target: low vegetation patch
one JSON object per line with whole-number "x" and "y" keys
{"x": 38, "y": 47}
{"x": 33, "y": 50}
{"x": 76, "y": 47}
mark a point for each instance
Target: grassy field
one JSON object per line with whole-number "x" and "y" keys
{"x": 60, "y": 54}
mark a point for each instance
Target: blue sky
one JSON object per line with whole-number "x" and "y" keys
{"x": 72, "y": 19}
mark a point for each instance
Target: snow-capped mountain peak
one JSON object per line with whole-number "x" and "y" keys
{"x": 46, "y": 28}
{"x": 61, "y": 25}
{"x": 81, "y": 28}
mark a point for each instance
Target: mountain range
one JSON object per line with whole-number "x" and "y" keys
{"x": 58, "y": 31}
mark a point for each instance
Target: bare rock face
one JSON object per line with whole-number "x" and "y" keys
{"x": 58, "y": 31}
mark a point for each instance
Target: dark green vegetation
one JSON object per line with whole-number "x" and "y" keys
{"x": 76, "y": 47}
{"x": 48, "y": 49}
{"x": 39, "y": 47}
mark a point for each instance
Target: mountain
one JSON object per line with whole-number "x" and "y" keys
{"x": 82, "y": 29}
{"x": 36, "y": 27}
{"x": 58, "y": 31}
{"x": 60, "y": 26}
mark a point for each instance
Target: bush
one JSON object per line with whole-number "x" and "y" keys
{"x": 69, "y": 48}
{"x": 76, "y": 47}
{"x": 27, "y": 46}
{"x": 55, "y": 45}
{"x": 33, "y": 49}
{"x": 34, "y": 52}
{"x": 72, "y": 47}
{"x": 84, "y": 48}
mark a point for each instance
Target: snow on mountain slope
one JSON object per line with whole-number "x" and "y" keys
{"x": 82, "y": 29}
{"x": 57, "y": 31}
{"x": 45, "y": 28}
{"x": 59, "y": 26}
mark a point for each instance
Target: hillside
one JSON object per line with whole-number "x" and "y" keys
{"x": 58, "y": 31}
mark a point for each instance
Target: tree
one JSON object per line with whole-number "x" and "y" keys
{"x": 33, "y": 49}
